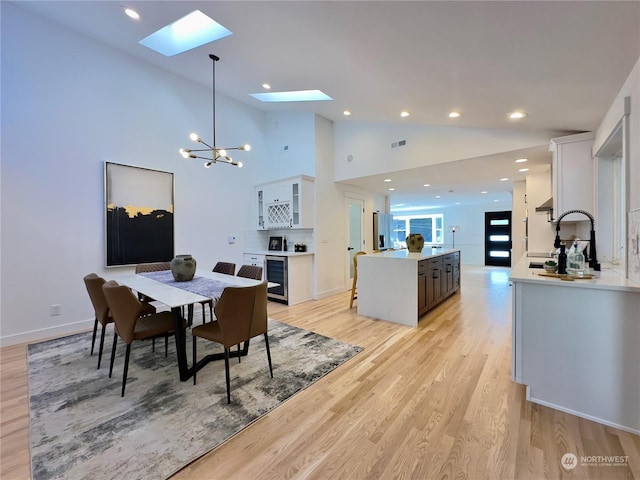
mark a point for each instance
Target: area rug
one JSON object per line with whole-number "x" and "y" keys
{"x": 81, "y": 428}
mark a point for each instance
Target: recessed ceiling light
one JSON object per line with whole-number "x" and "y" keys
{"x": 266, "y": 86}
{"x": 293, "y": 96}
{"x": 457, "y": 203}
{"x": 391, "y": 189}
{"x": 523, "y": 169}
{"x": 504, "y": 179}
{"x": 404, "y": 114}
{"x": 426, "y": 185}
{"x": 496, "y": 200}
{"x": 131, "y": 13}
{"x": 454, "y": 114}
{"x": 346, "y": 113}
{"x": 437, "y": 196}
{"x": 517, "y": 115}
{"x": 191, "y": 31}
{"x": 484, "y": 191}
{"x": 522, "y": 160}
{"x": 387, "y": 179}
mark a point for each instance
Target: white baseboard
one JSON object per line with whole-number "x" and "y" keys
{"x": 34, "y": 336}
{"x": 582, "y": 415}
{"x": 328, "y": 293}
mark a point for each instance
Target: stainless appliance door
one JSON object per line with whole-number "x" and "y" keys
{"x": 277, "y": 273}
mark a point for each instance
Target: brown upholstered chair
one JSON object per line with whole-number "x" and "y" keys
{"x": 151, "y": 267}
{"x": 250, "y": 271}
{"x": 225, "y": 267}
{"x": 242, "y": 315}
{"x": 125, "y": 310}
{"x": 354, "y": 293}
{"x": 221, "y": 267}
{"x": 102, "y": 314}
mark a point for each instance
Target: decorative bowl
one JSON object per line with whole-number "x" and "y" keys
{"x": 550, "y": 268}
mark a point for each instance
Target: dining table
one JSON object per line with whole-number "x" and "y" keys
{"x": 205, "y": 286}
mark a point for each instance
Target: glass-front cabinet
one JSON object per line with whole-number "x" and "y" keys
{"x": 288, "y": 203}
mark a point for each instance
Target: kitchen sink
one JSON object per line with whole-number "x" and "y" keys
{"x": 536, "y": 265}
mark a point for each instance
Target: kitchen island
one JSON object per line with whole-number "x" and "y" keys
{"x": 575, "y": 344}
{"x": 401, "y": 286}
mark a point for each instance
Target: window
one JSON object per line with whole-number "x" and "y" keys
{"x": 430, "y": 226}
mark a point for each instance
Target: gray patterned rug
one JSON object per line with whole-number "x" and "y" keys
{"x": 81, "y": 428}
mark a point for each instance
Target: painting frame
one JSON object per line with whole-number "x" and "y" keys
{"x": 138, "y": 215}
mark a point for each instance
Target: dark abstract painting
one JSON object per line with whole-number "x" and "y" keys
{"x": 138, "y": 215}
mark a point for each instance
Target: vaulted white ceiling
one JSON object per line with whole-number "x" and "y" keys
{"x": 562, "y": 62}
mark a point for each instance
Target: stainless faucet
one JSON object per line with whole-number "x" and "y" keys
{"x": 593, "y": 261}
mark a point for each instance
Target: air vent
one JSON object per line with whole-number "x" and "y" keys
{"x": 399, "y": 144}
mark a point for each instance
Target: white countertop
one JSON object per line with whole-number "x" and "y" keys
{"x": 404, "y": 254}
{"x": 277, "y": 253}
{"x": 604, "y": 280}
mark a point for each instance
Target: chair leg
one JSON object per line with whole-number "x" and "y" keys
{"x": 226, "y": 371}
{"x": 166, "y": 344}
{"x": 113, "y": 353}
{"x": 126, "y": 368}
{"x": 153, "y": 344}
{"x": 266, "y": 344}
{"x": 353, "y": 291}
{"x": 104, "y": 327}
{"x": 95, "y": 330}
{"x": 194, "y": 359}
{"x": 211, "y": 310}
{"x": 239, "y": 356}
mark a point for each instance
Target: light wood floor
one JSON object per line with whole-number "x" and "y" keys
{"x": 436, "y": 402}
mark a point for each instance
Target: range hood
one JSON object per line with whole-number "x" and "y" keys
{"x": 546, "y": 206}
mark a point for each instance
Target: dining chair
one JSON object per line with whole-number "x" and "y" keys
{"x": 354, "y": 294}
{"x": 250, "y": 271}
{"x": 129, "y": 325}
{"x": 225, "y": 267}
{"x": 221, "y": 267}
{"x": 103, "y": 316}
{"x": 151, "y": 267}
{"x": 242, "y": 315}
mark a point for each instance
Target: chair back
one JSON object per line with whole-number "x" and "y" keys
{"x": 259, "y": 321}
{"x": 225, "y": 267}
{"x": 125, "y": 309}
{"x": 153, "y": 267}
{"x": 94, "y": 287}
{"x": 234, "y": 312}
{"x": 355, "y": 262}
{"x": 250, "y": 271}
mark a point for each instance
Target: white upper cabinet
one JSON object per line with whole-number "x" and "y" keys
{"x": 287, "y": 203}
{"x": 572, "y": 175}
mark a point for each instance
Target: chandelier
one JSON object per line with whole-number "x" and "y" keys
{"x": 217, "y": 154}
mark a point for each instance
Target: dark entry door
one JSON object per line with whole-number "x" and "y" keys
{"x": 497, "y": 238}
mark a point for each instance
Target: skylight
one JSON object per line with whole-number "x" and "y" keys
{"x": 293, "y": 96}
{"x": 189, "y": 32}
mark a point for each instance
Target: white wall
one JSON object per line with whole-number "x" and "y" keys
{"x": 370, "y": 146}
{"x": 630, "y": 88}
{"x": 519, "y": 213}
{"x": 68, "y": 105}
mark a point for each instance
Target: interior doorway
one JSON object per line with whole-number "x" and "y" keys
{"x": 355, "y": 234}
{"x": 497, "y": 239}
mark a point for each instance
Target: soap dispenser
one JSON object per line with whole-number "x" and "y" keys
{"x": 575, "y": 261}
{"x": 562, "y": 260}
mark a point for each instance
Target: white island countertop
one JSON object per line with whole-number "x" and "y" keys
{"x": 404, "y": 254}
{"x": 604, "y": 280}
